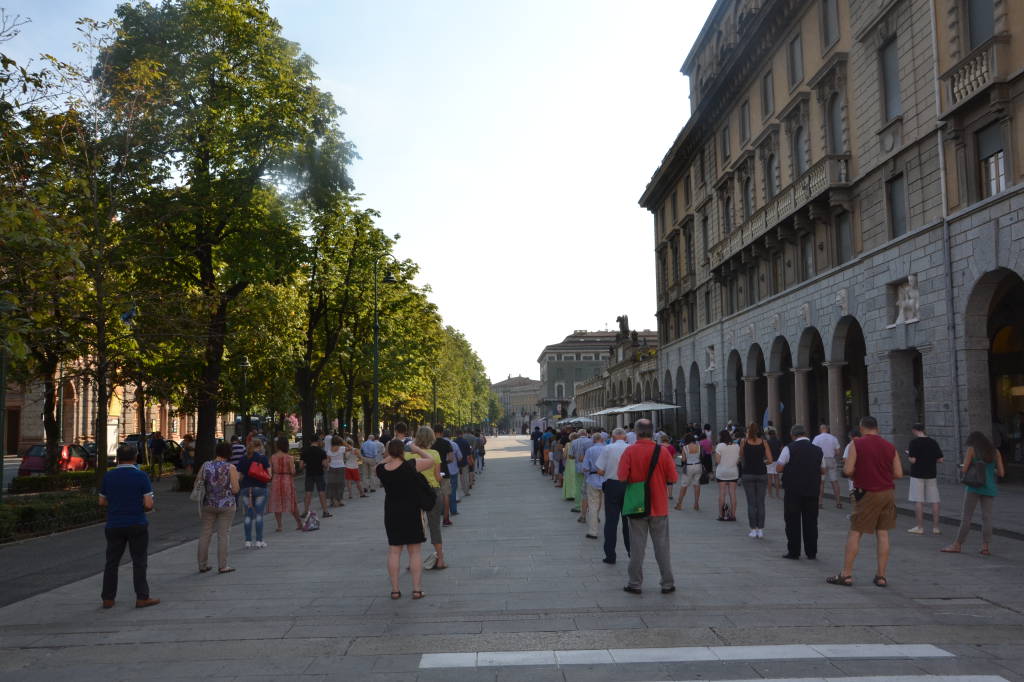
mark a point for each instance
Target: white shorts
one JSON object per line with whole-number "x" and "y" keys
{"x": 831, "y": 469}
{"x": 924, "y": 490}
{"x": 690, "y": 475}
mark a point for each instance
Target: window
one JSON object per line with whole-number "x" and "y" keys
{"x": 569, "y": 356}
{"x": 829, "y": 22}
{"x": 800, "y": 152}
{"x": 587, "y": 356}
{"x": 707, "y": 306}
{"x": 559, "y": 390}
{"x": 771, "y": 175}
{"x": 896, "y": 197}
{"x": 992, "y": 160}
{"x": 725, "y": 143}
{"x": 701, "y": 176}
{"x": 687, "y": 197}
{"x": 778, "y": 276}
{"x": 706, "y": 243}
{"x": 752, "y": 286}
{"x": 731, "y": 297}
{"x": 662, "y": 270}
{"x": 844, "y": 237}
{"x": 675, "y": 209}
{"x": 892, "y": 107}
{"x": 727, "y": 214}
{"x": 675, "y": 259}
{"x": 796, "y": 61}
{"x": 744, "y": 121}
{"x": 980, "y": 21}
{"x": 767, "y": 95}
{"x": 748, "y": 198}
{"x": 688, "y": 249}
{"x": 806, "y": 257}
{"x": 835, "y": 124}
{"x": 691, "y": 314}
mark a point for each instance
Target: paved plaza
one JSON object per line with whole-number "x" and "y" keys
{"x": 528, "y": 598}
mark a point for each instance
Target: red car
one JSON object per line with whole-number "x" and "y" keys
{"x": 70, "y": 457}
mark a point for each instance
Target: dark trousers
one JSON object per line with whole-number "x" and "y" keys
{"x": 136, "y": 539}
{"x": 801, "y": 514}
{"x": 614, "y": 494}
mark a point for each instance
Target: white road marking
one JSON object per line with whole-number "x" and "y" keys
{"x": 485, "y": 659}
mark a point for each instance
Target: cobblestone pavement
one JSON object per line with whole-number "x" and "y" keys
{"x": 527, "y": 598}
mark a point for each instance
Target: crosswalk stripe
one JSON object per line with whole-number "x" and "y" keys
{"x": 483, "y": 659}
{"x": 891, "y": 678}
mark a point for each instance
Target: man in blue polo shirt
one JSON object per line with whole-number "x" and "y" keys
{"x": 127, "y": 494}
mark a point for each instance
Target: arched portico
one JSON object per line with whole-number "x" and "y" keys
{"x": 755, "y": 386}
{"x": 848, "y": 377}
{"x": 781, "y": 387}
{"x": 811, "y": 381}
{"x": 694, "y": 413}
{"x": 735, "y": 398}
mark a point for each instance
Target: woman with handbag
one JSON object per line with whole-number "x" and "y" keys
{"x": 255, "y": 471}
{"x": 283, "y": 499}
{"x": 983, "y": 464}
{"x": 727, "y": 473}
{"x": 220, "y": 482}
{"x": 403, "y": 487}
{"x": 692, "y": 472}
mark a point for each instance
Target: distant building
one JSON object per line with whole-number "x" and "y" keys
{"x": 580, "y": 356}
{"x": 518, "y": 397}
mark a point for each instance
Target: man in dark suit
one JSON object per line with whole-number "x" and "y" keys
{"x": 801, "y": 467}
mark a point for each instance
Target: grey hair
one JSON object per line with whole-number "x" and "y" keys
{"x": 619, "y": 432}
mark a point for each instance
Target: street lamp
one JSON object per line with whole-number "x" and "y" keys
{"x": 387, "y": 279}
{"x": 245, "y": 366}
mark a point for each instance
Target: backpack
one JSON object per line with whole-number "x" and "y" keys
{"x": 311, "y": 522}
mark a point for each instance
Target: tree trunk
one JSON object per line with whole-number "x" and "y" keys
{"x": 51, "y": 428}
{"x": 209, "y": 387}
{"x": 304, "y": 385}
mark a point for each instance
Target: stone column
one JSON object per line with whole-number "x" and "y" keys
{"x": 801, "y": 413}
{"x": 773, "y": 401}
{"x": 750, "y": 400}
{"x": 836, "y": 414}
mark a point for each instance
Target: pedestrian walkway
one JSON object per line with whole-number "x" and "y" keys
{"x": 523, "y": 578}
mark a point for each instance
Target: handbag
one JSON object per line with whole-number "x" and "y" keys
{"x": 976, "y": 475}
{"x": 199, "y": 487}
{"x": 637, "y": 501}
{"x": 258, "y": 473}
{"x": 425, "y": 497}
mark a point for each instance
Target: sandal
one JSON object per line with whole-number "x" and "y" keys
{"x": 984, "y": 551}
{"x": 396, "y": 595}
{"x": 950, "y": 549}
{"x": 206, "y": 569}
{"x": 417, "y": 594}
{"x": 880, "y": 581}
{"x": 840, "y": 579}
{"x": 226, "y": 569}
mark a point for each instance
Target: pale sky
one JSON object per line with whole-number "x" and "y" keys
{"x": 506, "y": 141}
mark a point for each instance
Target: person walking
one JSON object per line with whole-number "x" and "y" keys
{"x": 727, "y": 473}
{"x": 253, "y": 494}
{"x": 352, "y": 465}
{"x": 401, "y": 482}
{"x": 335, "y": 474}
{"x": 641, "y": 461}
{"x": 535, "y": 443}
{"x": 801, "y": 466}
{"x": 237, "y": 450}
{"x": 614, "y": 494}
{"x": 692, "y": 472}
{"x": 465, "y": 452}
{"x": 979, "y": 447}
{"x": 924, "y": 455}
{"x": 188, "y": 452}
{"x": 127, "y": 493}
{"x": 222, "y": 483}
{"x": 830, "y": 448}
{"x": 424, "y": 441}
{"x": 594, "y": 483}
{"x": 874, "y": 464}
{"x": 371, "y": 451}
{"x": 283, "y": 499}
{"x": 756, "y": 456}
{"x": 315, "y": 461}
{"x": 481, "y": 450}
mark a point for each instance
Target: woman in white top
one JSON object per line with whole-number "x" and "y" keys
{"x": 727, "y": 472}
{"x": 692, "y": 471}
{"x": 352, "y": 469}
{"x": 336, "y": 472}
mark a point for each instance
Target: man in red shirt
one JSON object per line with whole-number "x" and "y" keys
{"x": 873, "y": 464}
{"x": 633, "y": 468}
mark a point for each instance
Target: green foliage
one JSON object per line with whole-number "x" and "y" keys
{"x": 66, "y": 480}
{"x": 47, "y": 513}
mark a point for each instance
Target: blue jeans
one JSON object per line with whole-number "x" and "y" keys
{"x": 453, "y": 503}
{"x": 254, "y": 502}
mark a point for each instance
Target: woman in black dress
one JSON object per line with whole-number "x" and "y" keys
{"x": 400, "y": 479}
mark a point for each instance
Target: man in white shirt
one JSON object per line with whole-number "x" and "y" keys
{"x": 829, "y": 445}
{"x": 372, "y": 451}
{"x": 630, "y": 435}
{"x": 614, "y": 493}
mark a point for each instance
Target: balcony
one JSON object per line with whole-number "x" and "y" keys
{"x": 986, "y": 65}
{"x": 829, "y": 172}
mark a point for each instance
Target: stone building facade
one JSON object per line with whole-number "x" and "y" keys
{"x": 519, "y": 397}
{"x": 839, "y": 226}
{"x": 578, "y": 357}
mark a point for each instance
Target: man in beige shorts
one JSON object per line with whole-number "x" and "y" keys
{"x": 873, "y": 464}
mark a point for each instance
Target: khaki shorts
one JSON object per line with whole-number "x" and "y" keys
{"x": 831, "y": 468}
{"x": 875, "y": 511}
{"x": 924, "y": 490}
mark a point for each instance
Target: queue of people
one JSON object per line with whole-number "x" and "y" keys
{"x": 799, "y": 471}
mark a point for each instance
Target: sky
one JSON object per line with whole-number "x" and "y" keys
{"x": 507, "y": 142}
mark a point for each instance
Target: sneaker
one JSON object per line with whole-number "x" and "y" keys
{"x": 760, "y": 533}
{"x": 936, "y": 531}
{"x": 752, "y": 533}
{"x": 261, "y": 544}
{"x": 916, "y": 530}
{"x": 248, "y": 545}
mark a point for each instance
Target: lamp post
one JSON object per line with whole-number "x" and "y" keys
{"x": 388, "y": 279}
{"x": 245, "y": 366}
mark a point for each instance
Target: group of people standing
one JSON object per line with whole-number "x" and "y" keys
{"x": 607, "y": 464}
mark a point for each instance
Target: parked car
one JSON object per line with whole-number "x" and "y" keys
{"x": 172, "y": 450}
{"x": 70, "y": 457}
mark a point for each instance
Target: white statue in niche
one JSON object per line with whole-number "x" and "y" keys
{"x": 908, "y": 302}
{"x": 805, "y": 314}
{"x": 710, "y": 358}
{"x": 843, "y": 301}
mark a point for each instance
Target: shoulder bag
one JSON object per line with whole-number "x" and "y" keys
{"x": 199, "y": 487}
{"x": 976, "y": 474}
{"x": 637, "y": 501}
{"x": 258, "y": 472}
